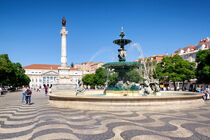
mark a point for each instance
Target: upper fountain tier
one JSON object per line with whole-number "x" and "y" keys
{"x": 122, "y": 42}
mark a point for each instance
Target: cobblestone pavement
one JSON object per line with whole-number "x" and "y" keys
{"x": 41, "y": 121}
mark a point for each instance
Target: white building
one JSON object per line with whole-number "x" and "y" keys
{"x": 189, "y": 52}
{"x": 45, "y": 74}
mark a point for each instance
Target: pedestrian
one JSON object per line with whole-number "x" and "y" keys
{"x": 28, "y": 96}
{"x": 201, "y": 89}
{"x": 46, "y": 90}
{"x": 207, "y": 92}
{"x": 23, "y": 94}
{"x": 198, "y": 88}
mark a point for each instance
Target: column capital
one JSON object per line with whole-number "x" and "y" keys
{"x": 63, "y": 31}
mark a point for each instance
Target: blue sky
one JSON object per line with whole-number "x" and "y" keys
{"x": 30, "y": 29}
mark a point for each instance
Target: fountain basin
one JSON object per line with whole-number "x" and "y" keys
{"x": 117, "y": 103}
{"x": 122, "y": 93}
{"x": 122, "y": 65}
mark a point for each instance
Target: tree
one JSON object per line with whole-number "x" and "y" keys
{"x": 88, "y": 79}
{"x": 113, "y": 79}
{"x": 100, "y": 76}
{"x": 175, "y": 69}
{"x": 133, "y": 76}
{"x": 12, "y": 73}
{"x": 20, "y": 77}
{"x": 5, "y": 69}
{"x": 187, "y": 71}
{"x": 203, "y": 66}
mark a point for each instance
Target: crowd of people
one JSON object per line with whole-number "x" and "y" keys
{"x": 205, "y": 91}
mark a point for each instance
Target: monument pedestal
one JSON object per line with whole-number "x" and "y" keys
{"x": 64, "y": 81}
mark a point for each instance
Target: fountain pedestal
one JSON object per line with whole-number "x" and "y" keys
{"x": 123, "y": 85}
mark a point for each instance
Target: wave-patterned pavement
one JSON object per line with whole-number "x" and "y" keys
{"x": 40, "y": 121}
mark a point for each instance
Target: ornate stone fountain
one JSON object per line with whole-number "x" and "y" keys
{"x": 123, "y": 85}
{"x": 114, "y": 98}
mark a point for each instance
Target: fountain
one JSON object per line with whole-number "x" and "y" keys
{"x": 123, "y": 93}
{"x": 123, "y": 85}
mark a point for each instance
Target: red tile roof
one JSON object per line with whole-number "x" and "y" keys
{"x": 45, "y": 67}
{"x": 192, "y": 48}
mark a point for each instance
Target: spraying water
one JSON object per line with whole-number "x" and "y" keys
{"x": 141, "y": 55}
{"x": 99, "y": 52}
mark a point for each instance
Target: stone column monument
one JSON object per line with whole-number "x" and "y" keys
{"x": 64, "y": 80}
{"x": 63, "y": 33}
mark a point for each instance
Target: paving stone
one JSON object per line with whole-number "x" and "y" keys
{"x": 41, "y": 121}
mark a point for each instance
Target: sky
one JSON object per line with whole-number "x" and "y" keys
{"x": 30, "y": 29}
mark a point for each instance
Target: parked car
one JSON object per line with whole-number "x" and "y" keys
{"x": 11, "y": 89}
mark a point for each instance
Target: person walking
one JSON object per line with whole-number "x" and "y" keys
{"x": 23, "y": 94}
{"x": 207, "y": 92}
{"x": 28, "y": 96}
{"x": 46, "y": 90}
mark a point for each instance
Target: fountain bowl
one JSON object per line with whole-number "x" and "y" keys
{"x": 96, "y": 100}
{"x": 122, "y": 41}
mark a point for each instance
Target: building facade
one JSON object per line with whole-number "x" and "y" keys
{"x": 150, "y": 63}
{"x": 88, "y": 67}
{"x": 189, "y": 52}
{"x": 45, "y": 74}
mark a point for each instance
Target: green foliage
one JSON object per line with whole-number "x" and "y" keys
{"x": 100, "y": 76}
{"x": 88, "y": 79}
{"x": 12, "y": 73}
{"x": 113, "y": 79}
{"x": 203, "y": 67}
{"x": 133, "y": 76}
{"x": 175, "y": 69}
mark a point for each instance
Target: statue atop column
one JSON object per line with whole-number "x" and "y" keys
{"x": 64, "y": 22}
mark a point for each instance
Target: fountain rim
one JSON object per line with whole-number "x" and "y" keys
{"x": 131, "y": 103}
{"x": 121, "y": 63}
{"x": 123, "y": 98}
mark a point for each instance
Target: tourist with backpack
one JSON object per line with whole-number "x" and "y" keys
{"x": 28, "y": 96}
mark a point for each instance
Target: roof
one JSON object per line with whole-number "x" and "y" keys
{"x": 160, "y": 55}
{"x": 205, "y": 40}
{"x": 45, "y": 67}
{"x": 192, "y": 47}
